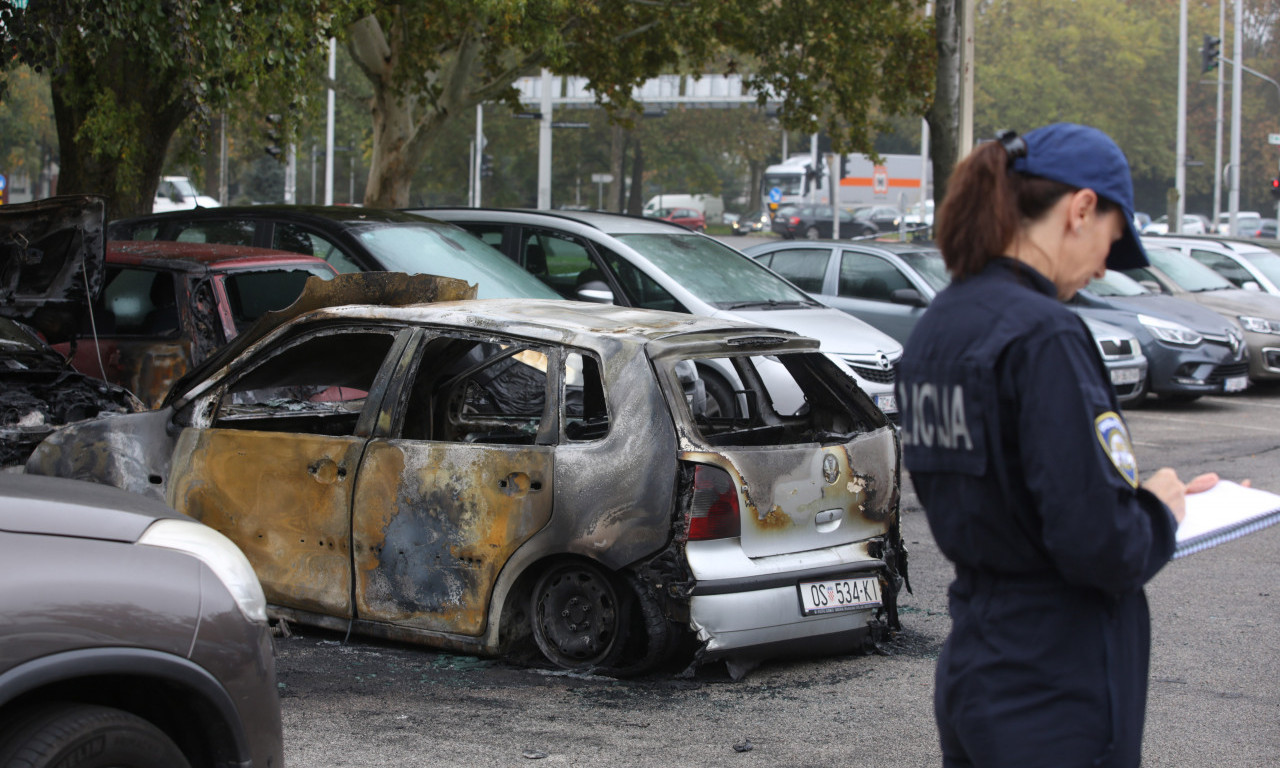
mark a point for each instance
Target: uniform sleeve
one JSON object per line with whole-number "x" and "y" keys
{"x": 1098, "y": 527}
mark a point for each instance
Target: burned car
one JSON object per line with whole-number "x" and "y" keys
{"x": 51, "y": 264}
{"x": 165, "y": 306}
{"x": 525, "y": 477}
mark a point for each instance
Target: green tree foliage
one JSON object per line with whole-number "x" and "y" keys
{"x": 1114, "y": 65}
{"x": 841, "y": 68}
{"x": 26, "y": 123}
{"x": 125, "y": 75}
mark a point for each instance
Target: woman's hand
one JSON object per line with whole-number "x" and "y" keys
{"x": 1166, "y": 486}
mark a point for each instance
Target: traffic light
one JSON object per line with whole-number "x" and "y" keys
{"x": 1275, "y": 188}
{"x": 1209, "y": 53}
{"x": 273, "y": 135}
{"x": 486, "y": 165}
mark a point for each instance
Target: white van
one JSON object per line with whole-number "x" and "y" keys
{"x": 710, "y": 206}
{"x": 177, "y": 193}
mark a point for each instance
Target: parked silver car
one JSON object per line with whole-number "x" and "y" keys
{"x": 1176, "y": 274}
{"x": 130, "y": 635}
{"x": 1246, "y": 265}
{"x": 637, "y": 262}
{"x": 889, "y": 285}
{"x": 515, "y": 476}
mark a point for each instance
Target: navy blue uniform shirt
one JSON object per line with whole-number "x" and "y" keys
{"x": 1024, "y": 465}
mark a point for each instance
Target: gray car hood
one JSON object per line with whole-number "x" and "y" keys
{"x": 1235, "y": 301}
{"x": 52, "y": 255}
{"x": 1197, "y": 318}
{"x": 838, "y": 332}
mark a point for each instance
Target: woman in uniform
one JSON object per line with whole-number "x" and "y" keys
{"x": 1024, "y": 465}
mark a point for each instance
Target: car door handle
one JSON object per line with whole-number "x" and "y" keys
{"x": 327, "y": 471}
{"x": 518, "y": 484}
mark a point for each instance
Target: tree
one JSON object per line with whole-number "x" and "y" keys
{"x": 125, "y": 75}
{"x": 27, "y": 140}
{"x": 837, "y": 68}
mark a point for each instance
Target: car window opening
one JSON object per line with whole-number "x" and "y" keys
{"x": 315, "y": 386}
{"x": 795, "y": 403}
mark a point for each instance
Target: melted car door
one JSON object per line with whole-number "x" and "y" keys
{"x": 457, "y": 485}
{"x": 275, "y": 469}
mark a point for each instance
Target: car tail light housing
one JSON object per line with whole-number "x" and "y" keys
{"x": 713, "y": 512}
{"x": 795, "y": 221}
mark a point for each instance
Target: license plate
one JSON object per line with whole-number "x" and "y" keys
{"x": 839, "y": 595}
{"x": 887, "y": 403}
{"x": 1236, "y": 384}
{"x": 1125, "y": 376}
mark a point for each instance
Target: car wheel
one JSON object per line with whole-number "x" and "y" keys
{"x": 652, "y": 638}
{"x": 812, "y": 233}
{"x": 721, "y": 399}
{"x": 87, "y": 735}
{"x": 579, "y": 617}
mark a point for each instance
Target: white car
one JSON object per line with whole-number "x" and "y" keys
{"x": 1192, "y": 224}
{"x": 1246, "y": 221}
{"x": 177, "y": 193}
{"x": 1246, "y": 265}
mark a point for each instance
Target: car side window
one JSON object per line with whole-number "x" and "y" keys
{"x": 250, "y": 295}
{"x": 314, "y": 385}
{"x": 561, "y": 261}
{"x": 803, "y": 266}
{"x": 864, "y": 276}
{"x": 639, "y": 289}
{"x": 137, "y": 302}
{"x": 229, "y": 232}
{"x": 490, "y": 234}
{"x": 476, "y": 391}
{"x": 1224, "y": 266}
{"x": 298, "y": 239}
{"x": 586, "y": 413}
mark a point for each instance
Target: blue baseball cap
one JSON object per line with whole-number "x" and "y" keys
{"x": 1086, "y": 158}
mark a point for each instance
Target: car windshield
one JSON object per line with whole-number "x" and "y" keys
{"x": 930, "y": 266}
{"x": 714, "y": 272}
{"x": 1116, "y": 284}
{"x": 1188, "y": 273}
{"x": 788, "y": 183}
{"x": 435, "y": 249}
{"x": 1267, "y": 262}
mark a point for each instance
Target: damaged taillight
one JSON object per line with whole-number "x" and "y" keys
{"x": 714, "y": 511}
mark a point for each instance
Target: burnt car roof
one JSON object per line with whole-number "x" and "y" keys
{"x": 51, "y": 262}
{"x": 200, "y": 257}
{"x": 433, "y": 299}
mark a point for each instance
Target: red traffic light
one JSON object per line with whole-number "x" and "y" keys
{"x": 1275, "y": 188}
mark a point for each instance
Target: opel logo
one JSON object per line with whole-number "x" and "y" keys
{"x": 830, "y": 469}
{"x": 882, "y": 360}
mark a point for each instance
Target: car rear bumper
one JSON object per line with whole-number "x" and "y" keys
{"x": 768, "y": 621}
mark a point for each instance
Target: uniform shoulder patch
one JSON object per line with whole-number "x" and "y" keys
{"x": 1114, "y": 437}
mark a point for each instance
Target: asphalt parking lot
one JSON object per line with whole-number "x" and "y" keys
{"x": 1214, "y": 696}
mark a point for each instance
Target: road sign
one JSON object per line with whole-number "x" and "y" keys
{"x": 3, "y": 182}
{"x": 775, "y": 195}
{"x": 602, "y": 178}
{"x": 1273, "y": 138}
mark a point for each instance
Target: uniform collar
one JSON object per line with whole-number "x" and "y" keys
{"x": 1023, "y": 274}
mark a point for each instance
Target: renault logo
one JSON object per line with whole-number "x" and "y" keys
{"x": 1235, "y": 342}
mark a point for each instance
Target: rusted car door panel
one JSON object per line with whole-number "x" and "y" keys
{"x": 434, "y": 524}
{"x": 284, "y": 499}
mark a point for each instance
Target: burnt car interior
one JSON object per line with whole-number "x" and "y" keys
{"x": 798, "y": 407}
{"x": 314, "y": 385}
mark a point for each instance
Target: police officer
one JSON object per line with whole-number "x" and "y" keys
{"x": 1024, "y": 465}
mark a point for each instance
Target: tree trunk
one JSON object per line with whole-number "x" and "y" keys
{"x": 135, "y": 116}
{"x": 944, "y": 114}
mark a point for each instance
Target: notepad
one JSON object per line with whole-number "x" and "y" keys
{"x": 1224, "y": 512}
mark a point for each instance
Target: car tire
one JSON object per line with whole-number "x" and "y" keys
{"x": 652, "y": 638}
{"x": 87, "y": 736}
{"x": 812, "y": 233}
{"x": 721, "y": 399}
{"x": 580, "y": 617}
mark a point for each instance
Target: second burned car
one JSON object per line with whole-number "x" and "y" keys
{"x": 506, "y": 476}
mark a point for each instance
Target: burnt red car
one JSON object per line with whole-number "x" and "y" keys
{"x": 165, "y": 306}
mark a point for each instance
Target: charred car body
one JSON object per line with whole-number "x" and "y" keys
{"x": 165, "y": 306}
{"x": 51, "y": 264}
{"x": 504, "y": 476}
